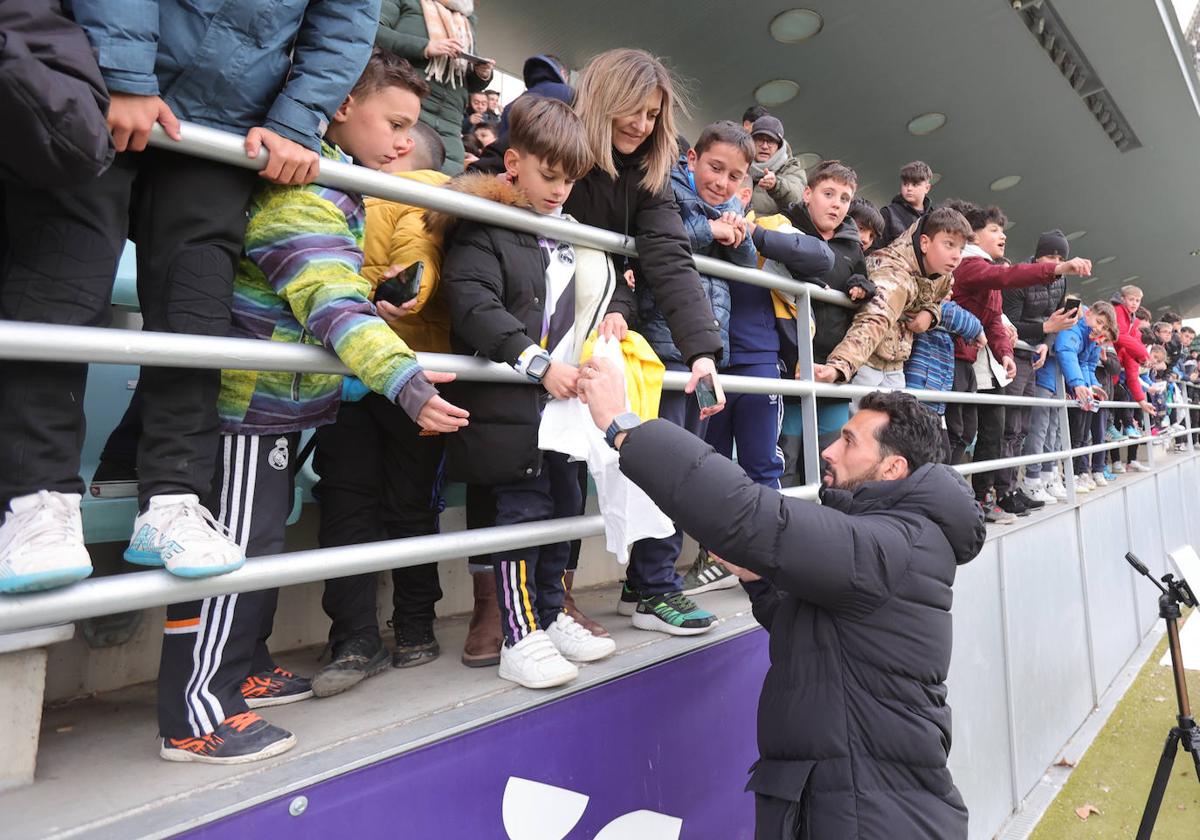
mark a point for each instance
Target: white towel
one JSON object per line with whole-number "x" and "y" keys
{"x": 628, "y": 513}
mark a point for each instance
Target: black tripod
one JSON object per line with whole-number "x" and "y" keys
{"x": 1185, "y": 734}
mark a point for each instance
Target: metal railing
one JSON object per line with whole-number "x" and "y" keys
{"x": 44, "y": 342}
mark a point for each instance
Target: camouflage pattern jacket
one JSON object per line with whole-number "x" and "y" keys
{"x": 878, "y": 336}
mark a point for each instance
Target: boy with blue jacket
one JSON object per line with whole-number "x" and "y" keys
{"x": 1077, "y": 351}
{"x": 275, "y": 72}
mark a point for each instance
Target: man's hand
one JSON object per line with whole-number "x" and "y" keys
{"x": 1010, "y": 367}
{"x": 614, "y": 326}
{"x": 443, "y": 46}
{"x": 744, "y": 575}
{"x": 768, "y": 181}
{"x": 1042, "y": 351}
{"x": 130, "y": 118}
{"x": 561, "y": 380}
{"x": 483, "y": 69}
{"x": 921, "y": 322}
{"x": 701, "y": 368}
{"x": 1077, "y": 266}
{"x": 437, "y": 415}
{"x": 289, "y": 163}
{"x": 823, "y": 373}
{"x": 475, "y": 119}
{"x": 602, "y": 389}
{"x": 1059, "y": 320}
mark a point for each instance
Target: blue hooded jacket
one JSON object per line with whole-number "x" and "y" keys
{"x": 1077, "y": 357}
{"x": 285, "y": 64}
{"x": 696, "y": 214}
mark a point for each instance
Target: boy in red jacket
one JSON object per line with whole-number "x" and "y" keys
{"x": 978, "y": 283}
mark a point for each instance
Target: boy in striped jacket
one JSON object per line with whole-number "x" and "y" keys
{"x": 297, "y": 281}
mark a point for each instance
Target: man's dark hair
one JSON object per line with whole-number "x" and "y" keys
{"x": 490, "y": 92}
{"x": 1143, "y": 314}
{"x": 386, "y": 69}
{"x": 471, "y": 145}
{"x": 1171, "y": 316}
{"x": 911, "y": 430}
{"x": 915, "y": 172}
{"x": 752, "y": 114}
{"x": 430, "y": 151}
{"x": 724, "y": 131}
{"x": 866, "y": 216}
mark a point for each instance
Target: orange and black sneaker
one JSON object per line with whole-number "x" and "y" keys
{"x": 275, "y": 688}
{"x": 239, "y": 739}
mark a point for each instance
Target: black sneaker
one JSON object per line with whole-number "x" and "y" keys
{"x": 239, "y": 739}
{"x": 673, "y": 613}
{"x": 275, "y": 688}
{"x": 629, "y": 599}
{"x": 354, "y": 660}
{"x": 415, "y": 645}
{"x": 1011, "y": 503}
{"x": 1030, "y": 503}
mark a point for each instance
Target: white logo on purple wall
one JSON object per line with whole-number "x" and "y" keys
{"x": 537, "y": 811}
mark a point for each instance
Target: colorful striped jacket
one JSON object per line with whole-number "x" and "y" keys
{"x": 298, "y": 281}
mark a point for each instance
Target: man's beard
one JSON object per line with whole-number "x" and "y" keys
{"x": 851, "y": 483}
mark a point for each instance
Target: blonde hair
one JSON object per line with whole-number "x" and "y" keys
{"x": 616, "y": 83}
{"x": 1130, "y": 290}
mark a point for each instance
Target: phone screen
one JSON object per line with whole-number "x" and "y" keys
{"x": 706, "y": 392}
{"x": 404, "y": 286}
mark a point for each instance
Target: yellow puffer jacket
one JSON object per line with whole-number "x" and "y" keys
{"x": 396, "y": 235}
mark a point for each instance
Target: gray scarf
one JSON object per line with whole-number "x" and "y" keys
{"x": 774, "y": 163}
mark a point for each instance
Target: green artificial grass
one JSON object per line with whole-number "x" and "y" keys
{"x": 1116, "y": 772}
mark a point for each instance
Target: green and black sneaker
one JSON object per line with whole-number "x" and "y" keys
{"x": 629, "y": 599}
{"x": 674, "y": 613}
{"x": 707, "y": 575}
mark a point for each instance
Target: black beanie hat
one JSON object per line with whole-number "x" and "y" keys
{"x": 1052, "y": 242}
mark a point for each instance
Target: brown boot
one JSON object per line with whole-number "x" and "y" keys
{"x": 482, "y": 648}
{"x": 593, "y": 627}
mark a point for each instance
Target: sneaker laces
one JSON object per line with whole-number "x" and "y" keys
{"x": 50, "y": 523}
{"x": 680, "y": 602}
{"x": 189, "y": 519}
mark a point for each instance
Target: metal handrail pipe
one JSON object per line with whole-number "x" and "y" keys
{"x": 141, "y": 590}
{"x": 224, "y": 147}
{"x": 1061, "y": 455}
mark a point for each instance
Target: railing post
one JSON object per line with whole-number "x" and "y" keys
{"x": 1187, "y": 419}
{"x": 1064, "y": 421}
{"x": 810, "y": 444}
{"x": 1147, "y": 425}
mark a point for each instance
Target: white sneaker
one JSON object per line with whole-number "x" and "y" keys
{"x": 41, "y": 543}
{"x": 1136, "y": 466}
{"x": 1083, "y": 483}
{"x": 1099, "y": 480}
{"x": 535, "y": 662}
{"x": 575, "y": 643}
{"x": 178, "y": 532}
{"x": 1057, "y": 489}
{"x": 1117, "y": 467}
{"x": 1039, "y": 493}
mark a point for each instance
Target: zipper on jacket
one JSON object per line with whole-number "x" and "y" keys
{"x": 296, "y": 376}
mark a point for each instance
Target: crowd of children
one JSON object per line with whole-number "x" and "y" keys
{"x": 935, "y": 305}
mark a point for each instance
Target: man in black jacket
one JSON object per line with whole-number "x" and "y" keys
{"x": 853, "y": 726}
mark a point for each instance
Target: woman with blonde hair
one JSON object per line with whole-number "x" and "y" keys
{"x": 627, "y": 100}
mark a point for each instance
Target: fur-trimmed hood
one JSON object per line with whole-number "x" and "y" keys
{"x": 480, "y": 184}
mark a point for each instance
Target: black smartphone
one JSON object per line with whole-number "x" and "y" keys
{"x": 709, "y": 392}
{"x": 403, "y": 287}
{"x": 474, "y": 59}
{"x": 1071, "y": 304}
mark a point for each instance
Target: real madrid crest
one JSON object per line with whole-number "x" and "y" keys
{"x": 278, "y": 457}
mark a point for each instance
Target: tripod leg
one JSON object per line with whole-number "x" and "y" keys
{"x": 1161, "y": 776}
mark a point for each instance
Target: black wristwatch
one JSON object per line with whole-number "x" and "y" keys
{"x": 622, "y": 423}
{"x": 537, "y": 367}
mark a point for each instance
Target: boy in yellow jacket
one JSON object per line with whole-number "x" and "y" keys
{"x": 380, "y": 477}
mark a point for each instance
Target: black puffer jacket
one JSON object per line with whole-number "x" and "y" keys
{"x": 1029, "y": 308}
{"x": 664, "y": 255}
{"x": 898, "y": 216}
{"x": 53, "y": 98}
{"x": 494, "y": 282}
{"x": 849, "y": 270}
{"x": 852, "y": 720}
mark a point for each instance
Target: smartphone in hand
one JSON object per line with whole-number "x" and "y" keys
{"x": 1071, "y": 304}
{"x": 709, "y": 392}
{"x": 403, "y": 287}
